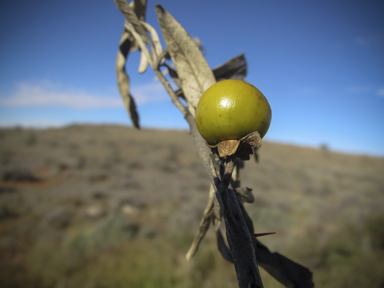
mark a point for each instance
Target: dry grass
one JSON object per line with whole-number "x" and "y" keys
{"x": 109, "y": 206}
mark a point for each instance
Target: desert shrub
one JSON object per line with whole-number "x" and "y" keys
{"x": 19, "y": 175}
{"x": 138, "y": 262}
{"x": 350, "y": 257}
{"x": 375, "y": 230}
{"x": 31, "y": 139}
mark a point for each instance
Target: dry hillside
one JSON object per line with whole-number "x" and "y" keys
{"x": 110, "y": 206}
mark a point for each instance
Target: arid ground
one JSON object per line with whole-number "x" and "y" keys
{"x": 110, "y": 206}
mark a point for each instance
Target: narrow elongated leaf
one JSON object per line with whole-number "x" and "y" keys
{"x": 284, "y": 270}
{"x": 223, "y": 248}
{"x": 193, "y": 70}
{"x": 155, "y": 38}
{"x": 143, "y": 63}
{"x": 132, "y": 18}
{"x": 235, "y": 68}
{"x": 123, "y": 78}
{"x": 239, "y": 240}
{"x": 140, "y": 8}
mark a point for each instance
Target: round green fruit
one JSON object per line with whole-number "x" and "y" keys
{"x": 230, "y": 110}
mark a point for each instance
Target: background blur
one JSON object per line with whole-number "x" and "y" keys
{"x": 319, "y": 63}
{"x": 90, "y": 202}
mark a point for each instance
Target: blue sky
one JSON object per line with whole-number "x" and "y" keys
{"x": 319, "y": 63}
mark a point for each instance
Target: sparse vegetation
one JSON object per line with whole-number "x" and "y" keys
{"x": 91, "y": 226}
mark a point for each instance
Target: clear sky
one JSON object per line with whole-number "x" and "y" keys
{"x": 319, "y": 63}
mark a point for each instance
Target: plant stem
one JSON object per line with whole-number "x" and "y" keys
{"x": 238, "y": 236}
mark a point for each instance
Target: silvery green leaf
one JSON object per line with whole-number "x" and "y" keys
{"x": 235, "y": 68}
{"x": 192, "y": 68}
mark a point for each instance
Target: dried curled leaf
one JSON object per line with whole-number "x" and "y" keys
{"x": 243, "y": 148}
{"x": 247, "y": 143}
{"x": 193, "y": 70}
{"x": 223, "y": 248}
{"x": 129, "y": 13}
{"x": 155, "y": 38}
{"x": 204, "y": 224}
{"x": 245, "y": 195}
{"x": 140, "y": 8}
{"x": 123, "y": 78}
{"x": 143, "y": 63}
{"x": 227, "y": 148}
{"x": 284, "y": 270}
{"x": 235, "y": 68}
